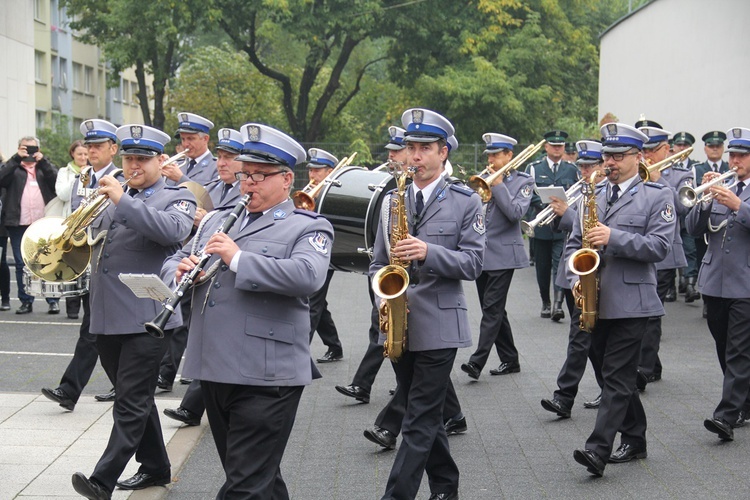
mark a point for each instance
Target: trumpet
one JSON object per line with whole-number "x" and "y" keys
{"x": 547, "y": 215}
{"x": 645, "y": 171}
{"x": 57, "y": 249}
{"x": 482, "y": 183}
{"x": 175, "y": 158}
{"x": 305, "y": 197}
{"x": 690, "y": 196}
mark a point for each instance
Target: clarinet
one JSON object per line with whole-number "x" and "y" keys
{"x": 155, "y": 328}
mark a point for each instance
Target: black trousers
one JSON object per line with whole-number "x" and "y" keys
{"x": 579, "y": 344}
{"x": 132, "y": 365}
{"x": 170, "y": 363}
{"x": 494, "y": 328}
{"x": 617, "y": 345}
{"x": 650, "y": 364}
{"x": 730, "y": 328}
{"x": 689, "y": 246}
{"x": 424, "y": 377}
{"x": 547, "y": 256}
{"x": 193, "y": 398}
{"x": 80, "y": 368}
{"x": 251, "y": 426}
{"x": 320, "y": 317}
{"x": 4, "y": 269}
{"x": 373, "y": 358}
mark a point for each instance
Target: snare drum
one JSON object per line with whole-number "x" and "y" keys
{"x": 351, "y": 202}
{"x": 54, "y": 290}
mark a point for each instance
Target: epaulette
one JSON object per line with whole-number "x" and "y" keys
{"x": 453, "y": 180}
{"x": 460, "y": 188}
{"x": 175, "y": 188}
{"x": 312, "y": 215}
{"x": 523, "y": 174}
{"x": 535, "y": 162}
{"x": 679, "y": 168}
{"x": 654, "y": 184}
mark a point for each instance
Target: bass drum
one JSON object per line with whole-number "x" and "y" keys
{"x": 351, "y": 202}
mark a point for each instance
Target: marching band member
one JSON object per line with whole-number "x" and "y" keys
{"x": 248, "y": 342}
{"x": 724, "y": 281}
{"x": 139, "y": 229}
{"x": 579, "y": 341}
{"x": 445, "y": 245}
{"x": 634, "y": 231}
{"x": 504, "y": 253}
{"x": 200, "y": 166}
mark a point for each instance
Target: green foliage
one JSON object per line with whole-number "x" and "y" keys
{"x": 56, "y": 140}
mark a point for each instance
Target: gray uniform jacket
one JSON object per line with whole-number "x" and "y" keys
{"x": 724, "y": 270}
{"x": 253, "y": 327}
{"x": 674, "y": 178}
{"x": 203, "y": 172}
{"x": 509, "y": 203}
{"x": 642, "y": 227}
{"x": 452, "y": 225}
{"x": 216, "y": 187}
{"x": 80, "y": 192}
{"x": 135, "y": 236}
{"x": 566, "y": 175}
{"x": 700, "y": 169}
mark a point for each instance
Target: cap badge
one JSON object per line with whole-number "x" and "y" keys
{"x": 253, "y": 133}
{"x": 313, "y": 153}
{"x": 183, "y": 117}
{"x": 136, "y": 132}
{"x": 417, "y": 116}
{"x": 583, "y": 146}
{"x": 225, "y": 133}
{"x": 737, "y": 133}
{"x": 612, "y": 129}
{"x": 89, "y": 125}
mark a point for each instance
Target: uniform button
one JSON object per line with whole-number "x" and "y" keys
{"x": 109, "y": 240}
{"x": 224, "y": 267}
{"x": 514, "y": 241}
{"x": 254, "y": 286}
{"x": 105, "y": 270}
{"x": 641, "y": 280}
{"x": 270, "y": 333}
{"x": 726, "y": 251}
{"x": 265, "y": 250}
{"x": 729, "y": 238}
{"x": 731, "y": 225}
{"x": 112, "y": 226}
{"x": 413, "y": 285}
{"x": 459, "y": 302}
{"x": 217, "y": 285}
{"x": 106, "y": 255}
{"x": 441, "y": 229}
{"x": 211, "y": 303}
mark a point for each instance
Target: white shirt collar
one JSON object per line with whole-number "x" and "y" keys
{"x": 625, "y": 185}
{"x": 428, "y": 189}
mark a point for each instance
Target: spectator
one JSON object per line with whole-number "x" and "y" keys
{"x": 29, "y": 182}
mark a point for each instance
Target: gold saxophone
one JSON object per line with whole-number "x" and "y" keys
{"x": 585, "y": 261}
{"x": 391, "y": 281}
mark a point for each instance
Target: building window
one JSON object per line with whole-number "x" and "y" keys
{"x": 88, "y": 84}
{"x": 134, "y": 93}
{"x": 77, "y": 77}
{"x": 39, "y": 10}
{"x": 63, "y": 73}
{"x": 77, "y": 123}
{"x": 55, "y": 69}
{"x": 117, "y": 93}
{"x": 39, "y": 73}
{"x": 41, "y": 119}
{"x": 125, "y": 91}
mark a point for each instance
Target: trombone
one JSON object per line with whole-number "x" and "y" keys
{"x": 645, "y": 171}
{"x": 690, "y": 196}
{"x": 483, "y": 185}
{"x": 547, "y": 215}
{"x": 305, "y": 197}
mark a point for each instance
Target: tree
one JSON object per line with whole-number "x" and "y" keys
{"x": 150, "y": 35}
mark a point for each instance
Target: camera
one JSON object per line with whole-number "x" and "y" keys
{"x": 32, "y": 150}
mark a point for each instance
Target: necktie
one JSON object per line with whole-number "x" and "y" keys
{"x": 681, "y": 165}
{"x": 132, "y": 192}
{"x": 420, "y": 202}
{"x": 740, "y": 187}
{"x": 250, "y": 217}
{"x": 615, "y": 194}
{"x": 715, "y": 167}
{"x": 554, "y": 168}
{"x": 224, "y": 191}
{"x": 92, "y": 184}
{"x": 190, "y": 167}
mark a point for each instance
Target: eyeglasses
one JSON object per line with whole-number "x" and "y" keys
{"x": 616, "y": 156}
{"x": 255, "y": 176}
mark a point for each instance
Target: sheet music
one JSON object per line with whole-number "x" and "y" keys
{"x": 147, "y": 286}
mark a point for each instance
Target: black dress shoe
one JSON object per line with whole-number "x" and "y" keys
{"x": 186, "y": 381}
{"x": 354, "y": 391}
{"x": 556, "y": 406}
{"x": 546, "y": 311}
{"x": 90, "y": 488}
{"x": 741, "y": 419}
{"x": 641, "y": 380}
{"x": 472, "y": 369}
{"x": 382, "y": 437}
{"x": 143, "y": 480}
{"x": 671, "y": 295}
{"x": 54, "y": 308}
{"x": 183, "y": 415}
{"x": 58, "y": 396}
{"x": 72, "y": 315}
{"x": 444, "y": 496}
{"x": 456, "y": 425}
{"x": 591, "y": 461}
{"x": 626, "y": 453}
{"x": 331, "y": 356}
{"x": 593, "y": 404}
{"x": 720, "y": 427}
{"x": 26, "y": 308}
{"x": 162, "y": 384}
{"x": 105, "y": 398}
{"x": 506, "y": 368}
{"x": 391, "y": 391}
{"x": 5, "y": 306}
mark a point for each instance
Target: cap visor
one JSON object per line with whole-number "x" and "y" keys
{"x": 587, "y": 161}
{"x": 228, "y": 149}
{"x": 138, "y": 152}
{"x": 422, "y": 138}
{"x": 493, "y": 150}
{"x": 737, "y": 149}
{"x": 96, "y": 140}
{"x": 188, "y": 130}
{"x": 556, "y": 143}
{"x": 395, "y": 147}
{"x": 617, "y": 149}
{"x": 258, "y": 158}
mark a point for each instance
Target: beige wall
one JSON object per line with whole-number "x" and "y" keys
{"x": 683, "y": 63}
{"x": 16, "y": 74}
